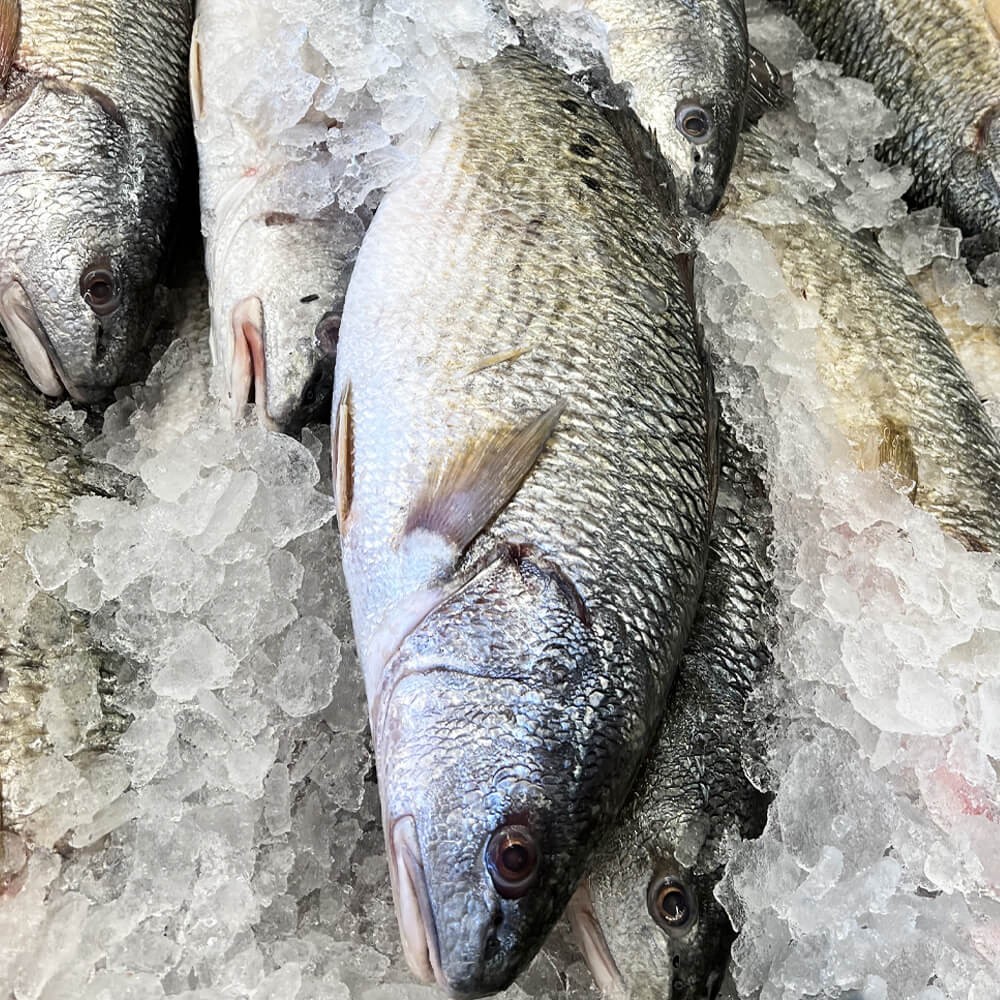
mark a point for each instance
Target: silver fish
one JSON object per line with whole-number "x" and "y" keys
{"x": 936, "y": 63}
{"x": 525, "y": 470}
{"x": 687, "y": 66}
{"x": 93, "y": 121}
{"x": 901, "y": 396}
{"x": 44, "y": 648}
{"x": 276, "y": 281}
{"x": 647, "y": 919}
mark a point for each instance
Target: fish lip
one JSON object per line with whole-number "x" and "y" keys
{"x": 414, "y": 914}
{"x": 32, "y": 345}
{"x": 248, "y": 365}
{"x": 593, "y": 944}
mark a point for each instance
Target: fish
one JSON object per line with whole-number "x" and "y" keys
{"x": 277, "y": 280}
{"x": 45, "y": 649}
{"x": 94, "y": 121}
{"x": 900, "y": 394}
{"x": 936, "y": 63}
{"x": 646, "y": 917}
{"x": 687, "y": 65}
{"x": 525, "y": 467}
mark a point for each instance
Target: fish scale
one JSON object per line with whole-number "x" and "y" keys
{"x": 507, "y": 286}
{"x": 693, "y": 789}
{"x": 93, "y": 134}
{"x": 936, "y": 63}
{"x": 41, "y": 471}
{"x": 104, "y": 44}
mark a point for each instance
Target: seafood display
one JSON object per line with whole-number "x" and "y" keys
{"x": 555, "y": 555}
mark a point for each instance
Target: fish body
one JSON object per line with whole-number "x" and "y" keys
{"x": 686, "y": 64}
{"x": 277, "y": 280}
{"x": 93, "y": 120}
{"x": 45, "y": 653}
{"x": 900, "y": 394}
{"x": 936, "y": 63}
{"x": 646, "y": 917}
{"x": 525, "y": 469}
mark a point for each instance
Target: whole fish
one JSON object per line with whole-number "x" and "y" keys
{"x": 900, "y": 394}
{"x": 647, "y": 919}
{"x": 44, "y": 648}
{"x": 93, "y": 121}
{"x": 525, "y": 469}
{"x": 276, "y": 280}
{"x": 936, "y": 63}
{"x": 687, "y": 66}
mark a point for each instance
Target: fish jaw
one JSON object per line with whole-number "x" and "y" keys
{"x": 20, "y": 321}
{"x": 593, "y": 944}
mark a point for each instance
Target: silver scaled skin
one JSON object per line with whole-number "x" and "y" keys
{"x": 900, "y": 394}
{"x": 646, "y": 919}
{"x": 276, "y": 281}
{"x": 525, "y": 470}
{"x": 686, "y": 64}
{"x": 43, "y": 647}
{"x": 936, "y": 63}
{"x": 93, "y": 122}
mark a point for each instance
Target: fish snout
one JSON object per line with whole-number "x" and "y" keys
{"x": 456, "y": 943}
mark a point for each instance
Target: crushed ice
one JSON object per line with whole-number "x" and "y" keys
{"x": 231, "y": 847}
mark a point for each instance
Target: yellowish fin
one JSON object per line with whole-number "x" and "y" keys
{"x": 993, "y": 15}
{"x": 472, "y": 487}
{"x": 343, "y": 458}
{"x": 194, "y": 75}
{"x": 893, "y": 449}
{"x": 10, "y": 29}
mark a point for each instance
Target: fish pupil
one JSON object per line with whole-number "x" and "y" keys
{"x": 673, "y": 905}
{"x": 100, "y": 291}
{"x": 515, "y": 859}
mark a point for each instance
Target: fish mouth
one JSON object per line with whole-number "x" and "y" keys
{"x": 412, "y": 900}
{"x": 27, "y": 337}
{"x": 248, "y": 369}
{"x": 593, "y": 944}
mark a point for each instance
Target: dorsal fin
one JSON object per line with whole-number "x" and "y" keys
{"x": 472, "y": 486}
{"x": 10, "y": 28}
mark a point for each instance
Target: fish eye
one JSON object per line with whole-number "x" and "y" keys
{"x": 671, "y": 904}
{"x": 512, "y": 860}
{"x": 100, "y": 291}
{"x": 694, "y": 121}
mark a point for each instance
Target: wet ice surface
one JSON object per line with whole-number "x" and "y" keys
{"x": 231, "y": 847}
{"x": 879, "y": 869}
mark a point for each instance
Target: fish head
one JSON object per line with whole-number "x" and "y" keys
{"x": 701, "y": 89}
{"x": 502, "y": 755}
{"x": 84, "y": 206}
{"x": 651, "y": 928}
{"x": 279, "y": 283}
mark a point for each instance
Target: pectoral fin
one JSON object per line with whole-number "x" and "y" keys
{"x": 343, "y": 457}
{"x": 194, "y": 75}
{"x": 894, "y": 450}
{"x": 471, "y": 487}
{"x": 10, "y": 29}
{"x": 993, "y": 15}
